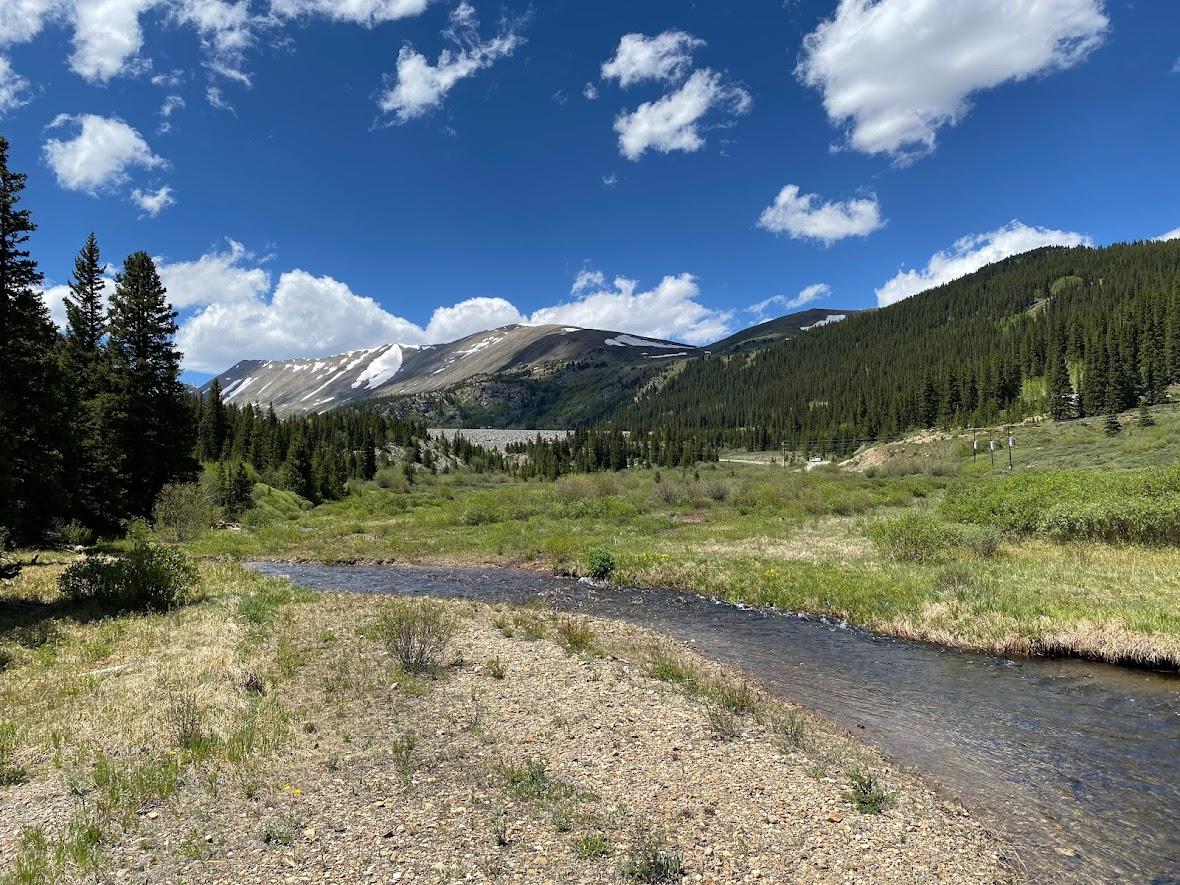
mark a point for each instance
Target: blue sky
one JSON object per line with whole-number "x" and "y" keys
{"x": 334, "y": 174}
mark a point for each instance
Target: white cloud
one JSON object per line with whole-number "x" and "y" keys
{"x": 226, "y": 31}
{"x": 814, "y": 292}
{"x": 586, "y": 279}
{"x": 14, "y": 89}
{"x": 667, "y": 57}
{"x": 803, "y": 216}
{"x": 970, "y": 253}
{"x": 362, "y": 12}
{"x": 306, "y": 316}
{"x": 893, "y": 72}
{"x": 610, "y": 180}
{"x": 670, "y": 310}
{"x": 216, "y": 99}
{"x": 233, "y": 314}
{"x": 471, "y": 316}
{"x": 22, "y": 20}
{"x": 153, "y": 202}
{"x": 420, "y": 87}
{"x": 229, "y": 276}
{"x": 107, "y": 37}
{"x": 172, "y": 103}
{"x": 168, "y": 79}
{"x": 55, "y": 300}
{"x": 671, "y": 123}
{"x": 590, "y": 92}
{"x": 1173, "y": 234}
{"x": 99, "y": 156}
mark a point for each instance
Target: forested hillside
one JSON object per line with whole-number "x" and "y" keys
{"x": 1069, "y": 332}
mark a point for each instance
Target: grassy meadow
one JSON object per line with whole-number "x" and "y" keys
{"x": 923, "y": 544}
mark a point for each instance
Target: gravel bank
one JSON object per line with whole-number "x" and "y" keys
{"x": 524, "y": 762}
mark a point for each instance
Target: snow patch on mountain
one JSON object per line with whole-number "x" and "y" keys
{"x": 826, "y": 321}
{"x": 632, "y": 341}
{"x": 381, "y": 369}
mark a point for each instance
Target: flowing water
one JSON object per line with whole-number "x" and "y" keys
{"x": 1076, "y": 764}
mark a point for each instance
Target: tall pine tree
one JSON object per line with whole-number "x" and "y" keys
{"x": 148, "y": 402}
{"x": 33, "y": 434}
{"x": 94, "y": 459}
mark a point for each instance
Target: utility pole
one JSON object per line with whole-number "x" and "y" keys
{"x": 974, "y": 443}
{"x": 1011, "y": 446}
{"x": 991, "y": 445}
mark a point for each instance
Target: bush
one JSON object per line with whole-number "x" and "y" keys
{"x": 576, "y": 635}
{"x": 923, "y": 537}
{"x": 183, "y": 511}
{"x": 150, "y": 576}
{"x": 650, "y": 861}
{"x": 600, "y": 564}
{"x": 1139, "y": 507}
{"x": 417, "y": 632}
{"x": 866, "y": 793}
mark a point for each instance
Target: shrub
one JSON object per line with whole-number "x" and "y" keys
{"x": 600, "y": 564}
{"x": 183, "y": 511}
{"x": 724, "y": 724}
{"x": 150, "y": 576}
{"x": 866, "y": 793}
{"x": 592, "y": 847}
{"x": 717, "y": 490}
{"x": 496, "y": 668}
{"x": 576, "y": 635}
{"x": 416, "y": 632}
{"x": 923, "y": 537}
{"x": 649, "y": 860}
{"x": 666, "y": 493}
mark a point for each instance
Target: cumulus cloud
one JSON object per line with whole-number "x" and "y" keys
{"x": 667, "y": 56}
{"x": 22, "y": 20}
{"x": 807, "y": 295}
{"x": 231, "y": 275}
{"x": 99, "y": 156}
{"x": 14, "y": 89}
{"x": 107, "y": 37}
{"x": 893, "y": 72}
{"x": 418, "y": 87}
{"x": 305, "y": 316}
{"x": 671, "y": 310}
{"x": 587, "y": 279}
{"x": 805, "y": 217}
{"x": 673, "y": 122}
{"x": 153, "y": 202}
{"x": 590, "y": 92}
{"x": 231, "y": 312}
{"x": 970, "y": 253}
{"x": 1173, "y": 234}
{"x": 362, "y": 12}
{"x": 471, "y": 316}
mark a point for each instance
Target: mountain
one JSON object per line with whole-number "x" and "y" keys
{"x": 1057, "y": 331}
{"x": 399, "y": 370}
{"x": 780, "y": 329}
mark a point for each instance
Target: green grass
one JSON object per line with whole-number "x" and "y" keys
{"x": 875, "y": 550}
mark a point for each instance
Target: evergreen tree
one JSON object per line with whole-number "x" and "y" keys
{"x": 1145, "y": 419}
{"x": 33, "y": 430}
{"x": 93, "y": 461}
{"x": 211, "y": 431}
{"x": 149, "y": 407}
{"x": 1062, "y": 400}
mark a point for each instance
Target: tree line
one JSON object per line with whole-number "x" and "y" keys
{"x": 95, "y": 421}
{"x": 1069, "y": 331}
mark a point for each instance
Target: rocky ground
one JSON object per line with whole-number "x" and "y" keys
{"x": 545, "y": 750}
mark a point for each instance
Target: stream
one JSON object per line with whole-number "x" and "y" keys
{"x": 1076, "y": 764}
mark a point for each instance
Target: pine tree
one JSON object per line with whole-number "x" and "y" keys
{"x": 33, "y": 430}
{"x": 94, "y": 460}
{"x": 1062, "y": 400}
{"x": 211, "y": 432}
{"x": 1145, "y": 418}
{"x": 149, "y": 407}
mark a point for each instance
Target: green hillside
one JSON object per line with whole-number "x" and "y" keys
{"x": 1067, "y": 332}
